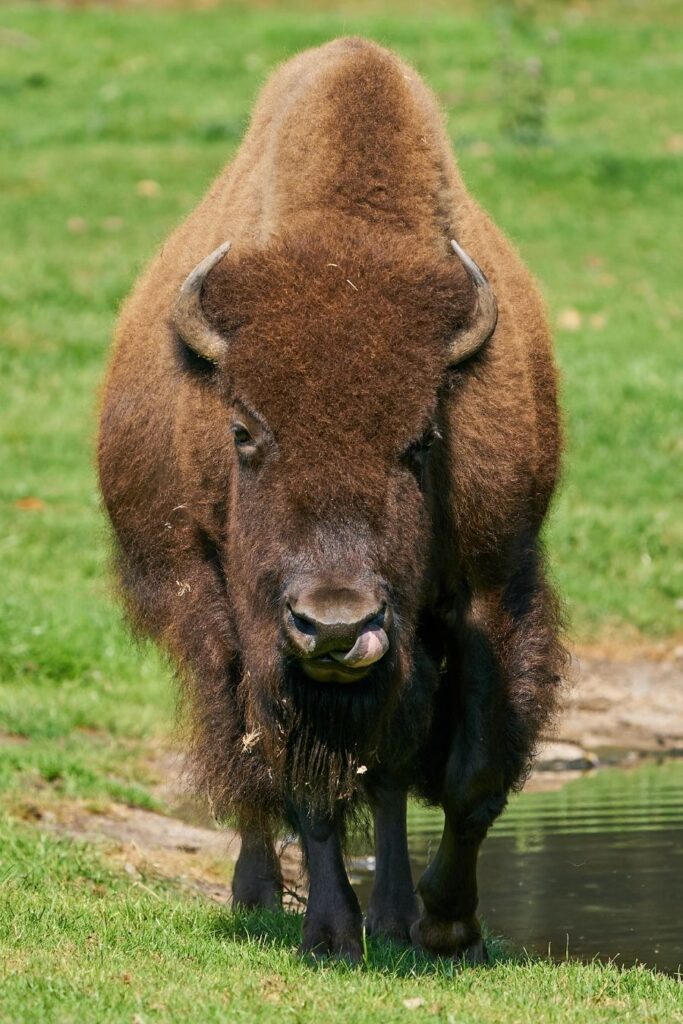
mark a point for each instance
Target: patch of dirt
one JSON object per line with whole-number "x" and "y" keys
{"x": 628, "y": 647}
{"x": 150, "y": 845}
{"x": 12, "y": 739}
{"x": 616, "y": 708}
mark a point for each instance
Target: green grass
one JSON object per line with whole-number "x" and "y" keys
{"x": 580, "y": 163}
{"x": 74, "y": 935}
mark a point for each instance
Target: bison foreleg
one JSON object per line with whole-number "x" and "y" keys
{"x": 503, "y": 666}
{"x": 333, "y": 920}
{"x": 257, "y": 881}
{"x": 393, "y": 906}
{"x": 448, "y": 889}
{"x": 473, "y": 796}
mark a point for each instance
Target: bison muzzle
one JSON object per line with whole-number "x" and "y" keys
{"x": 329, "y": 439}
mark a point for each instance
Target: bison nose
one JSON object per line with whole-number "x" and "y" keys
{"x": 341, "y": 626}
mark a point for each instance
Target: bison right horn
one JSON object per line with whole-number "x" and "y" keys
{"x": 484, "y": 315}
{"x": 188, "y": 316}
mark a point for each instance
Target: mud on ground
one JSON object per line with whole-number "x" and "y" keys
{"x": 618, "y": 707}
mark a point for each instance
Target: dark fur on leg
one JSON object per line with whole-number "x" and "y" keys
{"x": 257, "y": 881}
{"x": 333, "y": 920}
{"x": 393, "y": 906}
{"x": 503, "y": 666}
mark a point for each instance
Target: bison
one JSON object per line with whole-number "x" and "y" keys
{"x": 327, "y": 452}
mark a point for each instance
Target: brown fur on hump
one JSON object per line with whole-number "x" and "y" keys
{"x": 345, "y": 162}
{"x": 364, "y": 147}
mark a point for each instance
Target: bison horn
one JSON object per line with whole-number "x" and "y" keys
{"x": 188, "y": 316}
{"x": 484, "y": 315}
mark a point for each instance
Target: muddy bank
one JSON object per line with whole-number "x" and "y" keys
{"x": 148, "y": 845}
{"x": 618, "y": 709}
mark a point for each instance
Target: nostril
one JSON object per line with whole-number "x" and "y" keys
{"x": 301, "y": 624}
{"x": 381, "y": 619}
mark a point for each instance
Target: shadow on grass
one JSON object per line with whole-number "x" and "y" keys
{"x": 282, "y": 931}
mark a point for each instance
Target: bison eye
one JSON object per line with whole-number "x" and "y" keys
{"x": 241, "y": 435}
{"x": 244, "y": 442}
{"x": 414, "y": 457}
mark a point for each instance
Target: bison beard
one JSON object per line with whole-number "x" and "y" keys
{"x": 297, "y": 742}
{"x": 331, "y": 735}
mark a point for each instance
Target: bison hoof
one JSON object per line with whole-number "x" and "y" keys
{"x": 394, "y": 927}
{"x": 323, "y": 940}
{"x": 461, "y": 940}
{"x": 250, "y": 893}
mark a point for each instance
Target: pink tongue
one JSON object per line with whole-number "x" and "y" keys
{"x": 370, "y": 646}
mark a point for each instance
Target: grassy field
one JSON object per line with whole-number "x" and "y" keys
{"x": 87, "y": 945}
{"x": 111, "y": 125}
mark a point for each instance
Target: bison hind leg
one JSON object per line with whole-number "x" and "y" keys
{"x": 257, "y": 882}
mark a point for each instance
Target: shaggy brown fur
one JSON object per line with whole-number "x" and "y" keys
{"x": 338, "y": 297}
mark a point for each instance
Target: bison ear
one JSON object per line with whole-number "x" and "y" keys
{"x": 484, "y": 315}
{"x": 188, "y": 316}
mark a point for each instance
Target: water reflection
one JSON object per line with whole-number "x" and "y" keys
{"x": 595, "y": 869}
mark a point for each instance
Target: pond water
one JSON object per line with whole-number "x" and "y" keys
{"x": 594, "y": 869}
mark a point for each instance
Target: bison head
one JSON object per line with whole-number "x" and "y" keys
{"x": 318, "y": 371}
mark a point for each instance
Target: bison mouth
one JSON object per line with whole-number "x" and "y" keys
{"x": 336, "y": 633}
{"x": 332, "y": 665}
{"x": 327, "y": 669}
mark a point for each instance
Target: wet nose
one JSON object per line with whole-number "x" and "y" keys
{"x": 343, "y": 624}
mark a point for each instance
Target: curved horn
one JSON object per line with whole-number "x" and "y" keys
{"x": 484, "y": 314}
{"x": 188, "y": 317}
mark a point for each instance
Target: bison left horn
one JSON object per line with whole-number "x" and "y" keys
{"x": 484, "y": 314}
{"x": 188, "y": 316}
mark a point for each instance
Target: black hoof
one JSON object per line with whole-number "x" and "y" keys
{"x": 394, "y": 927}
{"x": 460, "y": 940}
{"x": 251, "y": 892}
{"x": 335, "y": 941}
